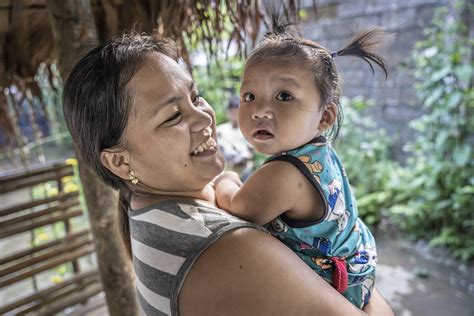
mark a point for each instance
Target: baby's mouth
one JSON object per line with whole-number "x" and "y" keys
{"x": 262, "y": 134}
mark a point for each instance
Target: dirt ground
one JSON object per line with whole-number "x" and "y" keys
{"x": 417, "y": 280}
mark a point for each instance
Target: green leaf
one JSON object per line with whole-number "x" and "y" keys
{"x": 454, "y": 99}
{"x": 430, "y": 52}
{"x": 443, "y": 72}
{"x": 456, "y": 57}
{"x": 441, "y": 205}
{"x": 441, "y": 139}
{"x": 464, "y": 74}
{"x": 461, "y": 154}
{"x": 435, "y": 95}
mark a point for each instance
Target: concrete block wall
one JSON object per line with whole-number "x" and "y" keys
{"x": 395, "y": 101}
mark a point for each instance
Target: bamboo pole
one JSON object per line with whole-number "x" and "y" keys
{"x": 73, "y": 24}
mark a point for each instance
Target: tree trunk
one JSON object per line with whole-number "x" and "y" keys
{"x": 73, "y": 25}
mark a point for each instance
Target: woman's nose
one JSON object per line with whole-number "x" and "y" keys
{"x": 200, "y": 120}
{"x": 261, "y": 111}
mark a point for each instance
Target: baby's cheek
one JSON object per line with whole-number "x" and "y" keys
{"x": 244, "y": 127}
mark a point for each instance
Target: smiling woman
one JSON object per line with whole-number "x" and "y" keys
{"x": 138, "y": 120}
{"x": 167, "y": 115}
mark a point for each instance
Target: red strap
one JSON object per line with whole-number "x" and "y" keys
{"x": 339, "y": 275}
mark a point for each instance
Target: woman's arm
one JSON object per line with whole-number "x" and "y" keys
{"x": 377, "y": 305}
{"x": 248, "y": 272}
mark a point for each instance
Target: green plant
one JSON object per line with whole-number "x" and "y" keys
{"x": 364, "y": 149}
{"x": 438, "y": 198}
{"x": 218, "y": 81}
{"x": 216, "y": 64}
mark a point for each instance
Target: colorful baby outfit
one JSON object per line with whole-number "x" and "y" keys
{"x": 339, "y": 247}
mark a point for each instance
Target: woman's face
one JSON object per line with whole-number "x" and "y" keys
{"x": 170, "y": 136}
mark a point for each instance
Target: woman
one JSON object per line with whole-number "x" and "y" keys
{"x": 138, "y": 120}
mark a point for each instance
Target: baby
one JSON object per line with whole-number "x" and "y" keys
{"x": 290, "y": 110}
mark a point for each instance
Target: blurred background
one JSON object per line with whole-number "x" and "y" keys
{"x": 406, "y": 141}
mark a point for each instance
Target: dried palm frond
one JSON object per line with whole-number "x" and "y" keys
{"x": 207, "y": 23}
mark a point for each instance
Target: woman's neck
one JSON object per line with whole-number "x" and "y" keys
{"x": 143, "y": 199}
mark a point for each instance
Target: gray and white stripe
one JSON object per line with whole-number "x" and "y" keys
{"x": 166, "y": 239}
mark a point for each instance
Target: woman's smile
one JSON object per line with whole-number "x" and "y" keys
{"x": 206, "y": 148}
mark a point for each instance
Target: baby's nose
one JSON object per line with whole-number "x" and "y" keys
{"x": 262, "y": 111}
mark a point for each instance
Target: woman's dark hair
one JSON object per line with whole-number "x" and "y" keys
{"x": 97, "y": 104}
{"x": 281, "y": 43}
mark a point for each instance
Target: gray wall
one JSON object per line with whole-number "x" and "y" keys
{"x": 395, "y": 100}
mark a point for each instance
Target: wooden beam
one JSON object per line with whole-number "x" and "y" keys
{"x": 40, "y": 213}
{"x": 31, "y": 251}
{"x": 66, "y": 294}
{"x": 31, "y": 298}
{"x": 23, "y": 206}
{"x": 10, "y": 231}
{"x": 51, "y": 264}
{"x": 51, "y": 253}
{"x": 28, "y": 182}
{"x": 73, "y": 300}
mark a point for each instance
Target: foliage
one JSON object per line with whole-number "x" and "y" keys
{"x": 364, "y": 151}
{"x": 438, "y": 198}
{"x": 218, "y": 81}
{"x": 211, "y": 24}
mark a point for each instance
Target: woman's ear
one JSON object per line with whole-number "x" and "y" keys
{"x": 329, "y": 117}
{"x": 117, "y": 162}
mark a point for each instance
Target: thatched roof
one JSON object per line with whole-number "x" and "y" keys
{"x": 26, "y": 36}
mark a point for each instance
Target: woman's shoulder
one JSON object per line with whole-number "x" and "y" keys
{"x": 250, "y": 272}
{"x": 182, "y": 209}
{"x": 167, "y": 238}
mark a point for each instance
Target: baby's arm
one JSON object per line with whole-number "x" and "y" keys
{"x": 269, "y": 192}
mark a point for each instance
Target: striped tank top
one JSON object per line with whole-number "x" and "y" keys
{"x": 167, "y": 238}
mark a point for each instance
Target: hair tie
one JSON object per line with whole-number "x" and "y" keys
{"x": 335, "y": 54}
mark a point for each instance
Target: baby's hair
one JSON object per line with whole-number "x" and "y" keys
{"x": 281, "y": 43}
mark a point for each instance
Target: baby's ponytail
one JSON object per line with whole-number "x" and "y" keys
{"x": 363, "y": 45}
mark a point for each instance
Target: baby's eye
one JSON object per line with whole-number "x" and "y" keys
{"x": 284, "y": 96}
{"x": 248, "y": 97}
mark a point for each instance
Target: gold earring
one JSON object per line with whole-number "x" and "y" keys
{"x": 132, "y": 177}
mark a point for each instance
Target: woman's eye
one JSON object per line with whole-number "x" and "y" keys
{"x": 284, "y": 96}
{"x": 175, "y": 116}
{"x": 248, "y": 97}
{"x": 197, "y": 99}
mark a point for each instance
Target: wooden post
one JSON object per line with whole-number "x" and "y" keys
{"x": 73, "y": 24}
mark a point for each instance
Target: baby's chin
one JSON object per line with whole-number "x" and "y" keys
{"x": 265, "y": 149}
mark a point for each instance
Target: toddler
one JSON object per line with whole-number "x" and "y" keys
{"x": 290, "y": 110}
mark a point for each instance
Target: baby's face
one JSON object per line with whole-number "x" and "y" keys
{"x": 280, "y": 107}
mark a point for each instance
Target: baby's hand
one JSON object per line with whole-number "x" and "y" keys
{"x": 226, "y": 185}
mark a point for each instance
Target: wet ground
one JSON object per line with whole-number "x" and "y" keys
{"x": 417, "y": 280}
